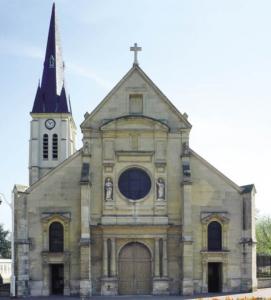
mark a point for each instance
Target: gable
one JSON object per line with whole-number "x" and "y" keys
{"x": 154, "y": 103}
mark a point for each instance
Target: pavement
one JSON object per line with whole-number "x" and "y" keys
{"x": 259, "y": 294}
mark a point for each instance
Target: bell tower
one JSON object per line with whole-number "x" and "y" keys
{"x": 53, "y": 131}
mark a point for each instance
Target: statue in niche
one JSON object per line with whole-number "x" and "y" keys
{"x": 108, "y": 187}
{"x": 160, "y": 186}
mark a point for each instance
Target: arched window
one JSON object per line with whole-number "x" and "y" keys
{"x": 56, "y": 237}
{"x": 45, "y": 146}
{"x": 214, "y": 236}
{"x": 55, "y": 146}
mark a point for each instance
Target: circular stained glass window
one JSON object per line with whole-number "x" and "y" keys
{"x": 134, "y": 183}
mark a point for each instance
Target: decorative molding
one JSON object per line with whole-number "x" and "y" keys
{"x": 207, "y": 217}
{"x": 55, "y": 257}
{"x": 186, "y": 181}
{"x": 134, "y": 156}
{"x": 108, "y": 164}
{"x": 186, "y": 240}
{"x": 247, "y": 240}
{"x": 215, "y": 256}
{"x": 85, "y": 242}
{"x": 134, "y": 153}
{"x": 23, "y": 242}
{"x": 160, "y": 163}
{"x": 47, "y": 217}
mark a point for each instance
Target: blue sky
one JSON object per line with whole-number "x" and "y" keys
{"x": 211, "y": 58}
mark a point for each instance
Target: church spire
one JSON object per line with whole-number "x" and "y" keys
{"x": 51, "y": 95}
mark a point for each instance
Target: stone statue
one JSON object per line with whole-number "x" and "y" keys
{"x": 160, "y": 186}
{"x": 108, "y": 187}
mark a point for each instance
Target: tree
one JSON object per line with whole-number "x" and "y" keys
{"x": 5, "y": 244}
{"x": 263, "y": 234}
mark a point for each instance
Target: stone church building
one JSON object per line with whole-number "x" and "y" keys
{"x": 135, "y": 210}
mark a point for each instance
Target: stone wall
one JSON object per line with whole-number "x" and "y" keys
{"x": 264, "y": 282}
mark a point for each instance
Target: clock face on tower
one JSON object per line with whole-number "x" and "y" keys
{"x": 50, "y": 124}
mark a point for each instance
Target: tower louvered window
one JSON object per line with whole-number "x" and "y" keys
{"x": 45, "y": 146}
{"x": 55, "y": 146}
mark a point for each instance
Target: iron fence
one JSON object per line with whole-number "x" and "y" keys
{"x": 263, "y": 265}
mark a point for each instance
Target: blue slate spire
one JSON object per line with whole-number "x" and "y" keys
{"x": 51, "y": 95}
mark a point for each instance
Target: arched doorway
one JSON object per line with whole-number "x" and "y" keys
{"x": 134, "y": 270}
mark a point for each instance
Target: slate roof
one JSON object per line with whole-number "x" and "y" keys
{"x": 51, "y": 95}
{"x": 247, "y": 188}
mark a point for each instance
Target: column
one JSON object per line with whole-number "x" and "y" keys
{"x": 165, "y": 262}
{"x": 113, "y": 257}
{"x": 156, "y": 259}
{"x": 105, "y": 258}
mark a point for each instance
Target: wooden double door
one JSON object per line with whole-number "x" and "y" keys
{"x": 134, "y": 269}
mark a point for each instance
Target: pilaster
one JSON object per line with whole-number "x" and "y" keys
{"x": 156, "y": 259}
{"x": 85, "y": 241}
{"x": 105, "y": 258}
{"x": 21, "y": 243}
{"x": 160, "y": 281}
{"x": 165, "y": 260}
{"x": 248, "y": 241}
{"x": 113, "y": 258}
{"x": 109, "y": 281}
{"x": 187, "y": 230}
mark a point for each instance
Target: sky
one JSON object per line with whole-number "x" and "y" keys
{"x": 211, "y": 58}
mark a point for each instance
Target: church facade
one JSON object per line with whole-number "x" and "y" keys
{"x": 135, "y": 210}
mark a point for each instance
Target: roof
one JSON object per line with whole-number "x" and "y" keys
{"x": 51, "y": 95}
{"x": 20, "y": 188}
{"x": 247, "y": 188}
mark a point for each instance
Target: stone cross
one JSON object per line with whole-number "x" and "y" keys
{"x": 135, "y": 49}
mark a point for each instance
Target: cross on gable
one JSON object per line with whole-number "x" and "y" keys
{"x": 135, "y": 49}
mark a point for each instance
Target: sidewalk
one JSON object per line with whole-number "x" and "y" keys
{"x": 260, "y": 294}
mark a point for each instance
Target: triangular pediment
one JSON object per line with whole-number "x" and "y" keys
{"x": 155, "y": 104}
